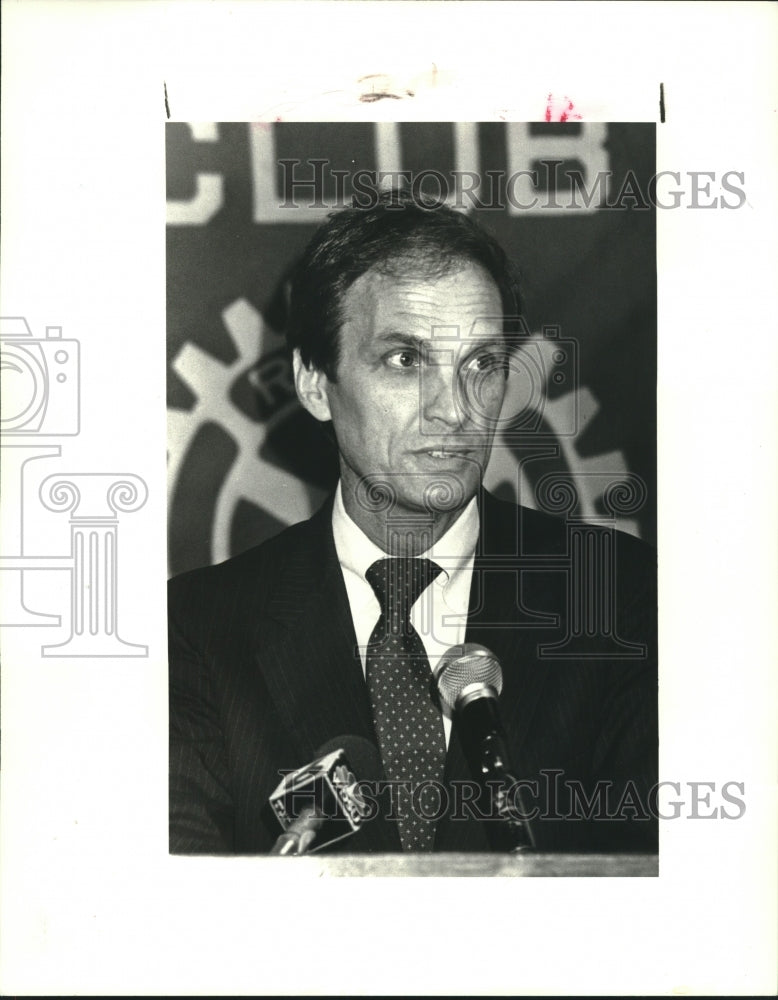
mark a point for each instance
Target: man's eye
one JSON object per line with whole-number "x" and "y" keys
{"x": 405, "y": 358}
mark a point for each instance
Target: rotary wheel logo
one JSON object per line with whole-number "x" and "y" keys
{"x": 246, "y": 460}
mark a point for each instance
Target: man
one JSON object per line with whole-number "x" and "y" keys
{"x": 402, "y": 322}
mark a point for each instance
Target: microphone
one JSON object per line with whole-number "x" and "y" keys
{"x": 320, "y": 803}
{"x": 469, "y": 682}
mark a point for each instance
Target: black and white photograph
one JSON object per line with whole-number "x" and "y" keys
{"x": 450, "y": 367}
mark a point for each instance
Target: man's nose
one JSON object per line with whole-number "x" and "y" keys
{"x": 441, "y": 400}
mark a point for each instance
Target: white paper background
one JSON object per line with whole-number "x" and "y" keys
{"x": 92, "y": 903}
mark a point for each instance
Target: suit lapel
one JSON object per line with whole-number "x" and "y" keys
{"x": 508, "y": 627}
{"x": 310, "y": 661}
{"x": 495, "y": 612}
{"x": 308, "y": 655}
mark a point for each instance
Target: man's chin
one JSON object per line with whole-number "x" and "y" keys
{"x": 429, "y": 495}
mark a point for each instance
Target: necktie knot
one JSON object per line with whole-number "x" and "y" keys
{"x": 398, "y": 584}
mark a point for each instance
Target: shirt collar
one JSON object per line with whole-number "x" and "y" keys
{"x": 356, "y": 552}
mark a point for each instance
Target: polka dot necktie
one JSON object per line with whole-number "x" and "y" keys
{"x": 407, "y": 721}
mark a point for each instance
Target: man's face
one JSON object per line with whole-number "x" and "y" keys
{"x": 420, "y": 383}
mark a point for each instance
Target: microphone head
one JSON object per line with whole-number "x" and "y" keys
{"x": 467, "y": 672}
{"x": 362, "y": 757}
{"x": 324, "y": 796}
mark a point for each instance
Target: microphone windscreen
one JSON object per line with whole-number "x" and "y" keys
{"x": 464, "y": 666}
{"x": 363, "y": 758}
{"x": 324, "y": 797}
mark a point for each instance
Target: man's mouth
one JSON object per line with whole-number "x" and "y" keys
{"x": 447, "y": 452}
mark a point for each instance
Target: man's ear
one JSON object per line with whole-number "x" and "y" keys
{"x": 311, "y": 385}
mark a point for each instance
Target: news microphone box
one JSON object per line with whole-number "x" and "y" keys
{"x": 328, "y": 787}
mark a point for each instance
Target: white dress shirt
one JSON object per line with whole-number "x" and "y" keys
{"x": 440, "y": 613}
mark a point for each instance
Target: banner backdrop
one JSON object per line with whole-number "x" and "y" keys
{"x": 570, "y": 202}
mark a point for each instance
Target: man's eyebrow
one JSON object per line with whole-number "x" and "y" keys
{"x": 393, "y": 336}
{"x": 400, "y": 337}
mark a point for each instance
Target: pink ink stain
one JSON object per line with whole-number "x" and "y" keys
{"x": 561, "y": 111}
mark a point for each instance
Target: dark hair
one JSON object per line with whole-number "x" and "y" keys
{"x": 395, "y": 234}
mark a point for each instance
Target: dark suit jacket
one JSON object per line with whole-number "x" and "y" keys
{"x": 263, "y": 672}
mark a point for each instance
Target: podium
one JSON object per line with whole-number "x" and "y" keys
{"x": 521, "y": 865}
